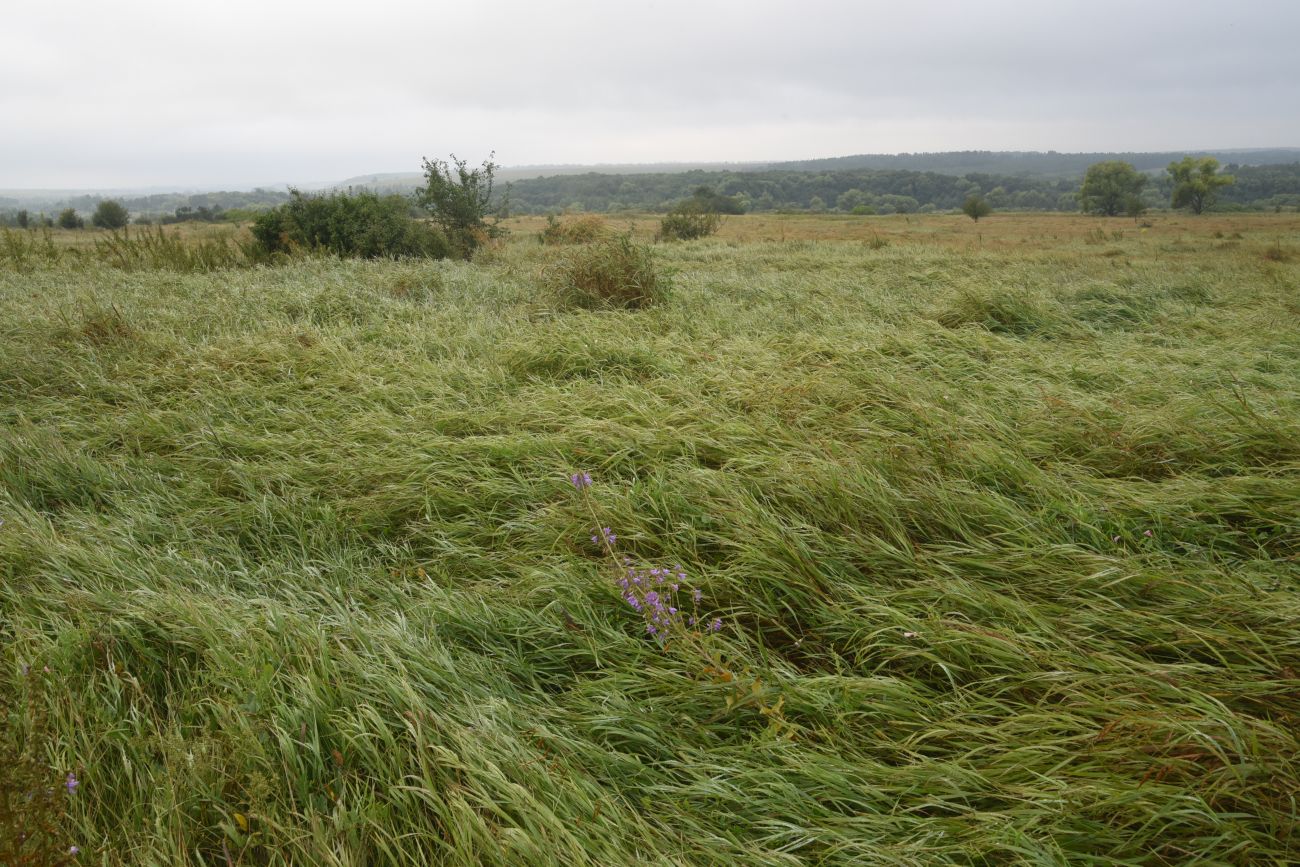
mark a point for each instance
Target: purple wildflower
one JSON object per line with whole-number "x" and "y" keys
{"x": 716, "y": 625}
{"x": 580, "y": 480}
{"x": 697, "y": 595}
{"x": 73, "y": 850}
{"x": 72, "y": 782}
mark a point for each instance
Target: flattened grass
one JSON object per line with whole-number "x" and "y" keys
{"x": 1011, "y": 533}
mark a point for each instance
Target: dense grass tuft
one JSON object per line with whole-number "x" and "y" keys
{"x": 615, "y": 272}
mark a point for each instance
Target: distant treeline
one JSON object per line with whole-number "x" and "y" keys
{"x": 1032, "y": 182}
{"x": 869, "y": 191}
{"x": 1032, "y": 163}
{"x": 158, "y": 208}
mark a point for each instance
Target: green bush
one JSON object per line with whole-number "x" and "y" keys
{"x": 688, "y": 221}
{"x": 975, "y": 207}
{"x": 612, "y": 272}
{"x": 70, "y": 219}
{"x": 460, "y": 201}
{"x": 110, "y": 215}
{"x": 360, "y": 225}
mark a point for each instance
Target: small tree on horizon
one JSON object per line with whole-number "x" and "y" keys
{"x": 69, "y": 219}
{"x": 459, "y": 200}
{"x": 1109, "y": 188}
{"x": 975, "y": 207}
{"x": 1196, "y": 183}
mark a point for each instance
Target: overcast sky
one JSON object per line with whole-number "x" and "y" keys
{"x": 243, "y": 92}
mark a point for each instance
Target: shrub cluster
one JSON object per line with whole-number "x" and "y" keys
{"x": 353, "y": 224}
{"x": 611, "y": 272}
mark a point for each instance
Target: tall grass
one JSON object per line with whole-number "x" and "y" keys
{"x": 154, "y": 249}
{"x": 1004, "y": 543}
{"x": 613, "y": 272}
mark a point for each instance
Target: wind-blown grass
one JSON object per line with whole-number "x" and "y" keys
{"x": 1005, "y": 544}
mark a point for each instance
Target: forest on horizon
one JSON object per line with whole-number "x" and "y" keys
{"x": 1266, "y": 179}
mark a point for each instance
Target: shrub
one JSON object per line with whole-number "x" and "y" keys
{"x": 612, "y": 272}
{"x": 110, "y": 215}
{"x": 975, "y": 207}
{"x": 688, "y": 221}
{"x": 580, "y": 230}
{"x": 359, "y": 225}
{"x": 70, "y": 219}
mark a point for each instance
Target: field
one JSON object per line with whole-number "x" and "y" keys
{"x": 1000, "y": 522}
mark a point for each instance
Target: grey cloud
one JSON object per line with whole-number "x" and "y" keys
{"x": 243, "y": 91}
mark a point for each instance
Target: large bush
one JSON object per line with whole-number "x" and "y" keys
{"x": 353, "y": 224}
{"x": 110, "y": 215}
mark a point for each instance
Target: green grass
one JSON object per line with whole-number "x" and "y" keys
{"x": 1005, "y": 541}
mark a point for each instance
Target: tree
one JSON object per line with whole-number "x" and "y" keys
{"x": 24, "y": 220}
{"x": 1108, "y": 188}
{"x": 68, "y": 219}
{"x": 110, "y": 215}
{"x": 975, "y": 207}
{"x": 460, "y": 202}
{"x": 1196, "y": 182}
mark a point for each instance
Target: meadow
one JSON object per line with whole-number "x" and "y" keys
{"x": 999, "y": 522}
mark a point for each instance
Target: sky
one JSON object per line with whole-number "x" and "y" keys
{"x": 186, "y": 94}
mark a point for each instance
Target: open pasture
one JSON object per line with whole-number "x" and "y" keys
{"x": 1001, "y": 522}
